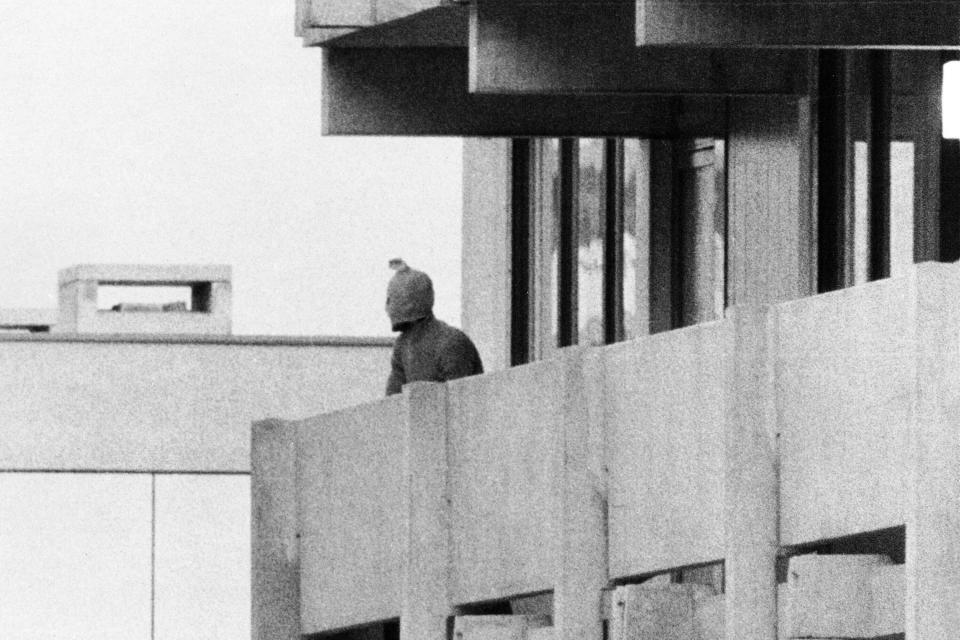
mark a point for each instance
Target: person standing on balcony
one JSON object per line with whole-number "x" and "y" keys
{"x": 427, "y": 348}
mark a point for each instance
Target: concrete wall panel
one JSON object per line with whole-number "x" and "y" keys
{"x": 665, "y": 450}
{"x": 504, "y": 452}
{"x": 165, "y": 405}
{"x": 845, "y": 385}
{"x": 350, "y": 471}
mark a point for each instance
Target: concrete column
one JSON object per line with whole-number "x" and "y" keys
{"x": 582, "y": 565}
{"x": 485, "y": 271}
{"x": 770, "y": 225}
{"x": 426, "y": 564}
{"x": 933, "y": 519}
{"x": 274, "y": 545}
{"x": 751, "y": 482}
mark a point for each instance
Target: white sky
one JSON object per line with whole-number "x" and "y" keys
{"x": 185, "y": 131}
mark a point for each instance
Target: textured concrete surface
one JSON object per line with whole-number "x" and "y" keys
{"x": 166, "y": 406}
{"x": 351, "y": 519}
{"x": 665, "y": 412}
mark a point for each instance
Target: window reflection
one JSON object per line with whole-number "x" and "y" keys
{"x": 628, "y": 238}
{"x": 591, "y": 217}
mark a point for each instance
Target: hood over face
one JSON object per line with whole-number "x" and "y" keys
{"x": 409, "y": 295}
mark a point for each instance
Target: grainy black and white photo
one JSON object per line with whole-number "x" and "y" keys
{"x": 480, "y": 320}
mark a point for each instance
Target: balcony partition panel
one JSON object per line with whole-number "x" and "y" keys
{"x": 846, "y": 377}
{"x": 665, "y": 399}
{"x": 505, "y": 453}
{"x": 350, "y": 501}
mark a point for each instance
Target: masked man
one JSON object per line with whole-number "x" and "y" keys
{"x": 427, "y": 348}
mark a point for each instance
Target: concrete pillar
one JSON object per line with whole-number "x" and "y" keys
{"x": 486, "y": 249}
{"x": 582, "y": 566}
{"x": 933, "y": 519}
{"x": 275, "y": 588}
{"x": 770, "y": 221}
{"x": 426, "y": 563}
{"x": 751, "y": 482}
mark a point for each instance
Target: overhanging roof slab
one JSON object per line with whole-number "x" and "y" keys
{"x": 575, "y": 47}
{"x": 321, "y": 21}
{"x": 920, "y": 24}
{"x": 423, "y": 92}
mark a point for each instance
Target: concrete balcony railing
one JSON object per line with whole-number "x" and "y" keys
{"x": 822, "y": 425}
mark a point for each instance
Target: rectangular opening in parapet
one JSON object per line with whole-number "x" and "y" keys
{"x": 386, "y": 630}
{"x": 891, "y": 542}
{"x": 150, "y": 298}
{"x": 535, "y": 609}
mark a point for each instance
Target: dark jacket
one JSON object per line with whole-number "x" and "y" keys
{"x": 430, "y": 349}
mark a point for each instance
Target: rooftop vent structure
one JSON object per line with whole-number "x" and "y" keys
{"x": 208, "y": 310}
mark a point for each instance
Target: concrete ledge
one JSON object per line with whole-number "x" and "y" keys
{"x": 248, "y": 340}
{"x": 153, "y": 274}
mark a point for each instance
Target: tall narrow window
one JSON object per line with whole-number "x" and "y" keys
{"x": 592, "y": 213}
{"x": 520, "y": 250}
{"x": 879, "y": 164}
{"x": 619, "y": 238}
{"x": 833, "y": 167}
{"x": 950, "y": 163}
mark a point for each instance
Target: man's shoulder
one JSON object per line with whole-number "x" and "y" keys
{"x": 449, "y": 331}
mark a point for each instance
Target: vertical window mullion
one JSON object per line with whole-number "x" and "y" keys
{"x": 568, "y": 223}
{"x": 522, "y": 185}
{"x": 613, "y": 329}
{"x": 880, "y": 136}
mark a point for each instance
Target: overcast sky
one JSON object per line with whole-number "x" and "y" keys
{"x": 189, "y": 132}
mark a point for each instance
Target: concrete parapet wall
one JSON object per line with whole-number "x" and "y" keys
{"x": 167, "y": 404}
{"x": 665, "y": 400}
{"x": 739, "y": 441}
{"x": 351, "y": 550}
{"x": 846, "y": 384}
{"x": 505, "y": 452}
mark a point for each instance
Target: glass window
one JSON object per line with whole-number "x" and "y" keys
{"x": 636, "y": 234}
{"x": 75, "y": 556}
{"x": 951, "y": 99}
{"x": 591, "y": 206}
{"x": 627, "y": 237}
{"x": 202, "y": 557}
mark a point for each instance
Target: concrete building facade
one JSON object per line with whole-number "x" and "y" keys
{"x": 125, "y": 464}
{"x": 701, "y": 246}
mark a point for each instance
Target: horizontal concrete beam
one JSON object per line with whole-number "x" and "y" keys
{"x": 922, "y": 24}
{"x": 423, "y": 91}
{"x": 445, "y": 26}
{"x": 152, "y": 274}
{"x": 519, "y": 47}
{"x": 357, "y": 13}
